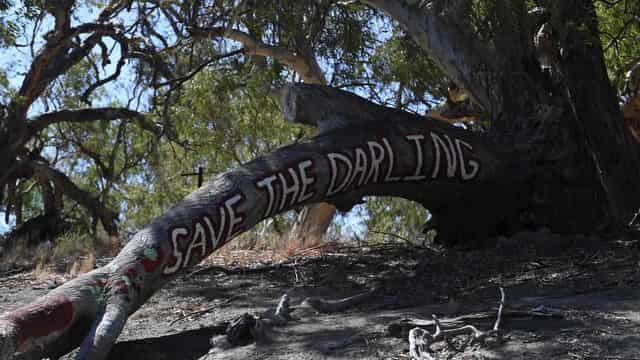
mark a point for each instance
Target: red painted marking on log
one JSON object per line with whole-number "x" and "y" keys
{"x": 122, "y": 291}
{"x": 121, "y": 287}
{"x": 51, "y": 314}
{"x": 131, "y": 273}
{"x": 97, "y": 283}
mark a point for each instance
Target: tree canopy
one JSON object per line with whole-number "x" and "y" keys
{"x": 143, "y": 91}
{"x": 150, "y": 90}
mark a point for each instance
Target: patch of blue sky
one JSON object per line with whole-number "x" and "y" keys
{"x": 6, "y": 226}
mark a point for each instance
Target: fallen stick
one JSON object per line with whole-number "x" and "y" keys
{"x": 420, "y": 340}
{"x": 248, "y": 328}
{"x": 401, "y": 328}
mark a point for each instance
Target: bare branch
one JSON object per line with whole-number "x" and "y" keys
{"x": 81, "y": 115}
{"x": 178, "y": 81}
{"x": 304, "y": 64}
{"x": 124, "y": 49}
{"x": 112, "y": 9}
{"x": 97, "y": 158}
{"x": 420, "y": 339}
{"x": 94, "y": 114}
{"x": 58, "y": 56}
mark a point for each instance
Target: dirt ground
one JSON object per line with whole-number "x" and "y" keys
{"x": 566, "y": 298}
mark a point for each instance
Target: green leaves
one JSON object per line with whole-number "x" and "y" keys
{"x": 8, "y": 27}
{"x": 402, "y": 218}
{"x": 227, "y": 113}
{"x": 619, "y": 35}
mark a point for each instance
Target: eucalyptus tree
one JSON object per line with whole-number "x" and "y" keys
{"x": 151, "y": 52}
{"x": 85, "y": 91}
{"x": 556, "y": 154}
{"x": 298, "y": 35}
{"x": 281, "y": 46}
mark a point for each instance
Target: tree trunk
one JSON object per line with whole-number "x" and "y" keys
{"x": 311, "y": 225}
{"x": 567, "y": 120}
{"x": 364, "y": 149}
{"x": 313, "y": 221}
{"x": 595, "y": 106}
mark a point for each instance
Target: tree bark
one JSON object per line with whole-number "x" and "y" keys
{"x": 595, "y": 108}
{"x": 570, "y": 121}
{"x": 365, "y": 149}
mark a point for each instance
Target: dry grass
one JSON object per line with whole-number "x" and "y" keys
{"x": 42, "y": 254}
{"x": 292, "y": 247}
{"x": 44, "y": 271}
{"x": 72, "y": 254}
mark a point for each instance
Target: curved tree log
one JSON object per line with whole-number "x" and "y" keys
{"x": 362, "y": 149}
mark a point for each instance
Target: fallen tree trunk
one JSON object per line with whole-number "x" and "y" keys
{"x": 363, "y": 149}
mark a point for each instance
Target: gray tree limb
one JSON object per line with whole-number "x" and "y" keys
{"x": 393, "y": 154}
{"x": 456, "y": 50}
{"x": 304, "y": 64}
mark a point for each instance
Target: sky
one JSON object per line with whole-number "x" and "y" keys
{"x": 3, "y": 226}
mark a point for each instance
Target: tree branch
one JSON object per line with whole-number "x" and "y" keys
{"x": 328, "y": 108}
{"x": 85, "y": 115}
{"x": 180, "y": 80}
{"x": 90, "y": 202}
{"x": 392, "y": 154}
{"x": 121, "y": 62}
{"x": 56, "y": 57}
{"x": 456, "y": 50}
{"x": 304, "y": 64}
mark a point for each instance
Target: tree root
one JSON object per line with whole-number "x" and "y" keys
{"x": 420, "y": 340}
{"x": 249, "y": 328}
{"x": 332, "y": 306}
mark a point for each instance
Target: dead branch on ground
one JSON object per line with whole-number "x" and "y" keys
{"x": 420, "y": 340}
{"x": 249, "y": 328}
